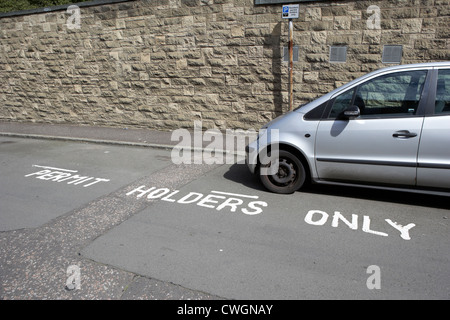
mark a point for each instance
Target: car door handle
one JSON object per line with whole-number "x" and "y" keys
{"x": 404, "y": 134}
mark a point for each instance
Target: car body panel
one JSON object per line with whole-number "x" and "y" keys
{"x": 434, "y": 153}
{"x": 289, "y": 133}
{"x": 365, "y": 150}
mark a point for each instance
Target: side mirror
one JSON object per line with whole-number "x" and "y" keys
{"x": 351, "y": 112}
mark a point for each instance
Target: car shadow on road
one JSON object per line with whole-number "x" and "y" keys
{"x": 239, "y": 173}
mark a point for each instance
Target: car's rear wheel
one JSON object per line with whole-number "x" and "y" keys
{"x": 290, "y": 176}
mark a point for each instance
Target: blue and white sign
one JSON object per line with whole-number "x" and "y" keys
{"x": 291, "y": 11}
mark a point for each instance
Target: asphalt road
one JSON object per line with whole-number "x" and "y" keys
{"x": 92, "y": 221}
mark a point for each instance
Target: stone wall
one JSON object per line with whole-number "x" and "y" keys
{"x": 166, "y": 63}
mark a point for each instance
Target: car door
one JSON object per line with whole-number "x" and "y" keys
{"x": 380, "y": 145}
{"x": 434, "y": 151}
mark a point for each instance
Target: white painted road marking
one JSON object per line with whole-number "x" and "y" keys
{"x": 319, "y": 218}
{"x": 235, "y": 194}
{"x": 64, "y": 175}
{"x": 233, "y": 201}
{"x": 214, "y": 199}
{"x": 53, "y": 168}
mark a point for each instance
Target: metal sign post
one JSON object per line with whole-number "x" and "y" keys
{"x": 291, "y": 65}
{"x": 291, "y": 12}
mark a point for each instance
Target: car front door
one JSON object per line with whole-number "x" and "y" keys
{"x": 380, "y": 145}
{"x": 434, "y": 151}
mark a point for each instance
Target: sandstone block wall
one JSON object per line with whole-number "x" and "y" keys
{"x": 166, "y": 63}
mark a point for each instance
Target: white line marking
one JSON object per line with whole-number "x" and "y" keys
{"x": 236, "y": 194}
{"x": 52, "y": 168}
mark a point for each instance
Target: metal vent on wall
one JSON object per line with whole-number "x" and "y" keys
{"x": 338, "y": 54}
{"x": 392, "y": 54}
{"x": 286, "y": 54}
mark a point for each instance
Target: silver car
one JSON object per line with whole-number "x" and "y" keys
{"x": 388, "y": 129}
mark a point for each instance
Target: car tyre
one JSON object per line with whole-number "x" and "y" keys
{"x": 290, "y": 177}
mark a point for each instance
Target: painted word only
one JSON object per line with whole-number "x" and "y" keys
{"x": 319, "y": 218}
{"x": 64, "y": 175}
{"x": 217, "y": 200}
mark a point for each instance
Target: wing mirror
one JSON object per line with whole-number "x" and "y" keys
{"x": 350, "y": 113}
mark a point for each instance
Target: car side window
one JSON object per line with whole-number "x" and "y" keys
{"x": 396, "y": 94}
{"x": 442, "y": 104}
{"x": 341, "y": 102}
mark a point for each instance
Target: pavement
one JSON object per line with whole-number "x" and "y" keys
{"x": 117, "y": 135}
{"x": 93, "y": 134}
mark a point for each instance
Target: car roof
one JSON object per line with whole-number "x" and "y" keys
{"x": 416, "y": 65}
{"x": 426, "y": 65}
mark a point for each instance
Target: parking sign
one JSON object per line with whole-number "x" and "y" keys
{"x": 290, "y": 11}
